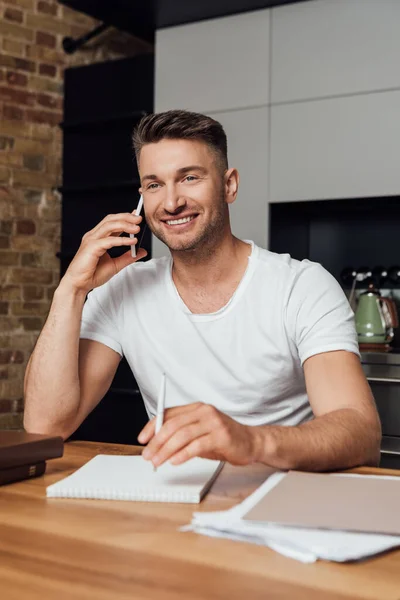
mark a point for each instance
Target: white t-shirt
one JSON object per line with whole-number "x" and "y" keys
{"x": 246, "y": 358}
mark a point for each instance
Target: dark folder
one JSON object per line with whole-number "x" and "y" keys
{"x": 21, "y": 448}
{"x": 22, "y": 472}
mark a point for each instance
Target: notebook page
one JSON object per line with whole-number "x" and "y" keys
{"x": 133, "y": 478}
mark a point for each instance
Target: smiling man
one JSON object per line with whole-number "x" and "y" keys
{"x": 259, "y": 349}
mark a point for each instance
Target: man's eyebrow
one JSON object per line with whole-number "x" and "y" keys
{"x": 184, "y": 170}
{"x": 152, "y": 177}
{"x": 181, "y": 171}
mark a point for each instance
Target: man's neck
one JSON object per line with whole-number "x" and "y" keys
{"x": 207, "y": 267}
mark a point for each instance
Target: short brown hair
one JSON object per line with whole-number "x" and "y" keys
{"x": 181, "y": 125}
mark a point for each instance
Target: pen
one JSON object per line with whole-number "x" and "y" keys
{"x": 137, "y": 213}
{"x": 160, "y": 407}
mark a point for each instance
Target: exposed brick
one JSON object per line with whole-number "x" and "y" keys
{"x": 47, "y": 101}
{"x": 31, "y": 323}
{"x": 6, "y": 143}
{"x": 31, "y": 259}
{"x": 4, "y": 242}
{"x": 33, "y": 292}
{"x": 14, "y": 78}
{"x": 17, "y": 63}
{"x": 36, "y": 276}
{"x": 6, "y": 405}
{"x": 30, "y": 308}
{"x": 4, "y": 175}
{"x": 26, "y": 227}
{"x": 15, "y": 128}
{"x": 16, "y": 31}
{"x": 46, "y": 39}
{"x": 5, "y": 356}
{"x": 34, "y": 162}
{"x": 39, "y": 84}
{"x": 25, "y": 146}
{"x": 5, "y": 227}
{"x": 30, "y": 244}
{"x": 47, "y": 70}
{"x": 49, "y": 229}
{"x": 9, "y": 259}
{"x": 14, "y": 113}
{"x": 41, "y": 132}
{"x": 13, "y": 14}
{"x": 11, "y": 421}
{"x": 50, "y": 261}
{"x": 18, "y": 405}
{"x": 11, "y": 159}
{"x": 11, "y": 389}
{"x": 3, "y": 374}
{"x": 4, "y": 308}
{"x": 5, "y": 341}
{"x": 13, "y": 47}
{"x": 10, "y": 292}
{"x": 16, "y": 96}
{"x": 32, "y": 196}
{"x": 45, "y": 23}
{"x": 30, "y": 178}
{"x": 28, "y": 4}
{"x": 44, "y": 53}
{"x": 11, "y": 356}
{"x": 48, "y": 8}
{"x": 43, "y": 116}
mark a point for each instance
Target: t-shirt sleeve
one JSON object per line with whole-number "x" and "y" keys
{"x": 319, "y": 315}
{"x": 100, "y": 319}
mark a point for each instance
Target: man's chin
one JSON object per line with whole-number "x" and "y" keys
{"x": 179, "y": 244}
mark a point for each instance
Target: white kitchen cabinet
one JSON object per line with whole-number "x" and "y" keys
{"x": 212, "y": 65}
{"x": 247, "y": 133}
{"x": 336, "y": 148}
{"x": 327, "y": 48}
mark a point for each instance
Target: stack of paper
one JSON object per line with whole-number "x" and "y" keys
{"x": 299, "y": 542}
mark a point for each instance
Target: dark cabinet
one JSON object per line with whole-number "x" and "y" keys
{"x": 102, "y": 104}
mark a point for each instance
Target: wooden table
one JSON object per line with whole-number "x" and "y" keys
{"x": 109, "y": 550}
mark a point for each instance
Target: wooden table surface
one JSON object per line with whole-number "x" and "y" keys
{"x": 115, "y": 550}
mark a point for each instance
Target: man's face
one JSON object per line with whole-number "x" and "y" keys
{"x": 183, "y": 188}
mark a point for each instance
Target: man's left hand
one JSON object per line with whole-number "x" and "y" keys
{"x": 199, "y": 430}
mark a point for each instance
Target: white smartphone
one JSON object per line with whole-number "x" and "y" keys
{"x": 137, "y": 213}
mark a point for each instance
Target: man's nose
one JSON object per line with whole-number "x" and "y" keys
{"x": 172, "y": 200}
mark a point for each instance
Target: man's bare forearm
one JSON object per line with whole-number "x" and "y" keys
{"x": 340, "y": 439}
{"x": 52, "y": 378}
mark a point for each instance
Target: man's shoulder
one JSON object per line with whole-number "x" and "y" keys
{"x": 284, "y": 264}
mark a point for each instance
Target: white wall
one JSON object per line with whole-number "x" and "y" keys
{"x": 220, "y": 67}
{"x": 309, "y": 94}
{"x": 335, "y": 110}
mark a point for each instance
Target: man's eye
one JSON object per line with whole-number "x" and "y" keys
{"x": 152, "y": 186}
{"x": 190, "y": 178}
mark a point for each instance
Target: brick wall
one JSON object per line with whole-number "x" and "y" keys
{"x": 31, "y": 97}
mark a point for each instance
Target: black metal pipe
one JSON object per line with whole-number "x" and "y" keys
{"x": 71, "y": 45}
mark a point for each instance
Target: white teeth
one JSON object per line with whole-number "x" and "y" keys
{"x": 179, "y": 221}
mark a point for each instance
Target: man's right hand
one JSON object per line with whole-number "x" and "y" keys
{"x": 92, "y": 265}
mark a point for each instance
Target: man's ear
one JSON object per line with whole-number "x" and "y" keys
{"x": 141, "y": 191}
{"x": 231, "y": 185}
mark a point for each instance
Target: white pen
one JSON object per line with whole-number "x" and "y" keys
{"x": 137, "y": 213}
{"x": 160, "y": 407}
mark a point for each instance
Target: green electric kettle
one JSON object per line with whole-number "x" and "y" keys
{"x": 376, "y": 317}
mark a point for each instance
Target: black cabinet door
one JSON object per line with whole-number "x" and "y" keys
{"x": 102, "y": 104}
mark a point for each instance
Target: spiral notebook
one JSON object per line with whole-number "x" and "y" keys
{"x": 109, "y": 477}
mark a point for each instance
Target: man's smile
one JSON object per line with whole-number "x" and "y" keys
{"x": 180, "y": 223}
